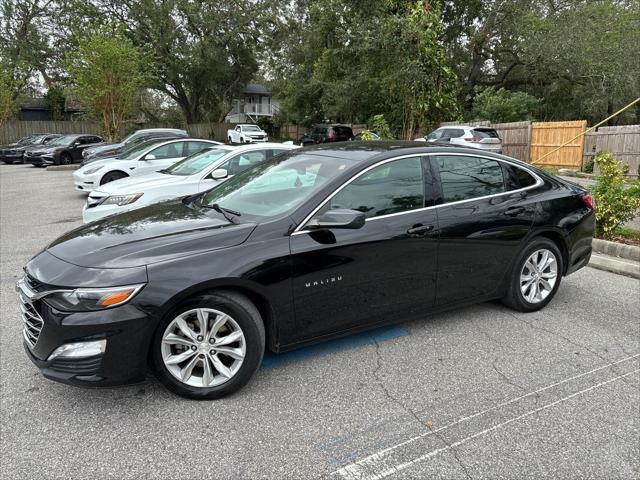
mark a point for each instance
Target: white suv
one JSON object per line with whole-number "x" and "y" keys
{"x": 483, "y": 138}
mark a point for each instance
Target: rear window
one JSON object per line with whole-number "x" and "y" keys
{"x": 464, "y": 178}
{"x": 484, "y": 133}
{"x": 516, "y": 178}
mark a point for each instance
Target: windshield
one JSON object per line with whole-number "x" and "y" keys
{"x": 251, "y": 128}
{"x": 26, "y": 140}
{"x": 64, "y": 140}
{"x": 195, "y": 163}
{"x": 277, "y": 186}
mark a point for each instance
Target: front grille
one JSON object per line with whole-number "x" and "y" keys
{"x": 77, "y": 366}
{"x": 33, "y": 322}
{"x": 35, "y": 285}
{"x": 94, "y": 201}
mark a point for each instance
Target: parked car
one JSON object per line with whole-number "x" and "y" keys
{"x": 136, "y": 137}
{"x": 126, "y": 151}
{"x": 312, "y": 244}
{"x": 62, "y": 150}
{"x": 482, "y": 138}
{"x": 246, "y": 133}
{"x": 192, "y": 175}
{"x": 139, "y": 161}
{"x": 325, "y": 133}
{"x": 14, "y": 152}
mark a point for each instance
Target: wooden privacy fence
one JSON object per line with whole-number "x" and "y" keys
{"x": 12, "y": 131}
{"x": 623, "y": 142}
{"x": 546, "y": 136}
{"x": 516, "y": 138}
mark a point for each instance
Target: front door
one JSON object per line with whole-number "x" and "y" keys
{"x": 482, "y": 226}
{"x": 159, "y": 158}
{"x": 386, "y": 270}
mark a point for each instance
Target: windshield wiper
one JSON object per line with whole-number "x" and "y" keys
{"x": 224, "y": 211}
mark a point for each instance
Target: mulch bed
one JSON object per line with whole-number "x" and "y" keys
{"x": 625, "y": 240}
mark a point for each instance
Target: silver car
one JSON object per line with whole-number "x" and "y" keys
{"x": 483, "y": 138}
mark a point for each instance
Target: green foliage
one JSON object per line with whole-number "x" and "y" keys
{"x": 366, "y": 135}
{"x": 7, "y": 102}
{"x": 106, "y": 74}
{"x": 357, "y": 59}
{"x": 616, "y": 201}
{"x": 381, "y": 127}
{"x": 56, "y": 101}
{"x": 501, "y": 105}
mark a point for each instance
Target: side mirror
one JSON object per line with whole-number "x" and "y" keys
{"x": 149, "y": 156}
{"x": 219, "y": 174}
{"x": 338, "y": 218}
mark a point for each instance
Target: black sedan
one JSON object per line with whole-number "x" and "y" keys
{"x": 14, "y": 152}
{"x": 63, "y": 150}
{"x": 313, "y": 244}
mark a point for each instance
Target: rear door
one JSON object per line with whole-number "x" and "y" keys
{"x": 483, "y": 221}
{"x": 382, "y": 272}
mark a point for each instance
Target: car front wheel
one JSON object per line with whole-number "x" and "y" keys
{"x": 65, "y": 159}
{"x": 535, "y": 277}
{"x": 112, "y": 177}
{"x": 210, "y": 346}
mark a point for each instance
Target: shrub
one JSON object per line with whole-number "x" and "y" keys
{"x": 381, "y": 127}
{"x": 616, "y": 201}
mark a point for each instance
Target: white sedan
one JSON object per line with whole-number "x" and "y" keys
{"x": 140, "y": 161}
{"x": 192, "y": 175}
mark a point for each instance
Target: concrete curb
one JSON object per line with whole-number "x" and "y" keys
{"x": 620, "y": 266}
{"x": 614, "y": 249}
{"x": 63, "y": 167}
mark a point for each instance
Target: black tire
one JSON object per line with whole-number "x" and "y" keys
{"x": 514, "y": 297}
{"x": 245, "y": 314}
{"x": 112, "y": 177}
{"x": 65, "y": 159}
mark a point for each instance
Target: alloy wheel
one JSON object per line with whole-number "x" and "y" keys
{"x": 538, "y": 275}
{"x": 203, "y": 347}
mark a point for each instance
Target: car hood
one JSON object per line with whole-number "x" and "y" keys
{"x": 10, "y": 145}
{"x": 140, "y": 183}
{"x": 104, "y": 148}
{"x": 147, "y": 235}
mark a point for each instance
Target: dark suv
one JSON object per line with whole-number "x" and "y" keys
{"x": 325, "y": 133}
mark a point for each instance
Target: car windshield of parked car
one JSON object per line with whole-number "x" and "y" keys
{"x": 278, "y": 186}
{"x": 26, "y": 140}
{"x": 64, "y": 140}
{"x": 435, "y": 135}
{"x": 251, "y": 128}
{"x": 195, "y": 163}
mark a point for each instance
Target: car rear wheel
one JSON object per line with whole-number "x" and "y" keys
{"x": 65, "y": 159}
{"x": 210, "y": 346}
{"x": 112, "y": 177}
{"x": 536, "y": 276}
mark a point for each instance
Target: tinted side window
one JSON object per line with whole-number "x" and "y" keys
{"x": 172, "y": 150}
{"x": 245, "y": 160}
{"x": 516, "y": 178}
{"x": 463, "y": 177}
{"x": 390, "y": 188}
{"x": 453, "y": 133}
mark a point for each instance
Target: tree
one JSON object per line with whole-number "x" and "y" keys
{"x": 201, "y": 53}
{"x": 355, "y": 60}
{"x": 7, "y": 101}
{"x": 504, "y": 106}
{"x": 56, "y": 101}
{"x": 106, "y": 74}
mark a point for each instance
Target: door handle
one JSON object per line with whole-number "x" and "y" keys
{"x": 419, "y": 230}
{"x": 514, "y": 211}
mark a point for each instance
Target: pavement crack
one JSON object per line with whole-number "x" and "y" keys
{"x": 425, "y": 424}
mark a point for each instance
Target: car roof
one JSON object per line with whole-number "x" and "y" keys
{"x": 151, "y": 130}
{"x": 259, "y": 146}
{"x": 379, "y": 150}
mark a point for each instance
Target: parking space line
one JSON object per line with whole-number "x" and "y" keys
{"x": 360, "y": 468}
{"x": 345, "y": 343}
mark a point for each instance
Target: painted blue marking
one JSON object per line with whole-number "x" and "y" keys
{"x": 381, "y": 334}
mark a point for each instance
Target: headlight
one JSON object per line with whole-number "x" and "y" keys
{"x": 87, "y": 299}
{"x": 92, "y": 170}
{"x": 121, "y": 199}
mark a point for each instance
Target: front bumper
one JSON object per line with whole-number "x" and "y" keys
{"x": 39, "y": 160}
{"x": 257, "y": 140}
{"x": 85, "y": 183}
{"x": 11, "y": 157}
{"x": 126, "y": 329}
{"x": 96, "y": 213}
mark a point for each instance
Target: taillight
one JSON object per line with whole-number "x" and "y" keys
{"x": 331, "y": 135}
{"x": 474, "y": 139}
{"x": 588, "y": 201}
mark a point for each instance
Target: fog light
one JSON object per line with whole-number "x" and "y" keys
{"x": 79, "y": 349}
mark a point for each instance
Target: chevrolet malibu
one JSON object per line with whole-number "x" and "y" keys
{"x": 310, "y": 245}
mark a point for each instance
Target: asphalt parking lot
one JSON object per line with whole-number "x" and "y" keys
{"x": 481, "y": 392}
